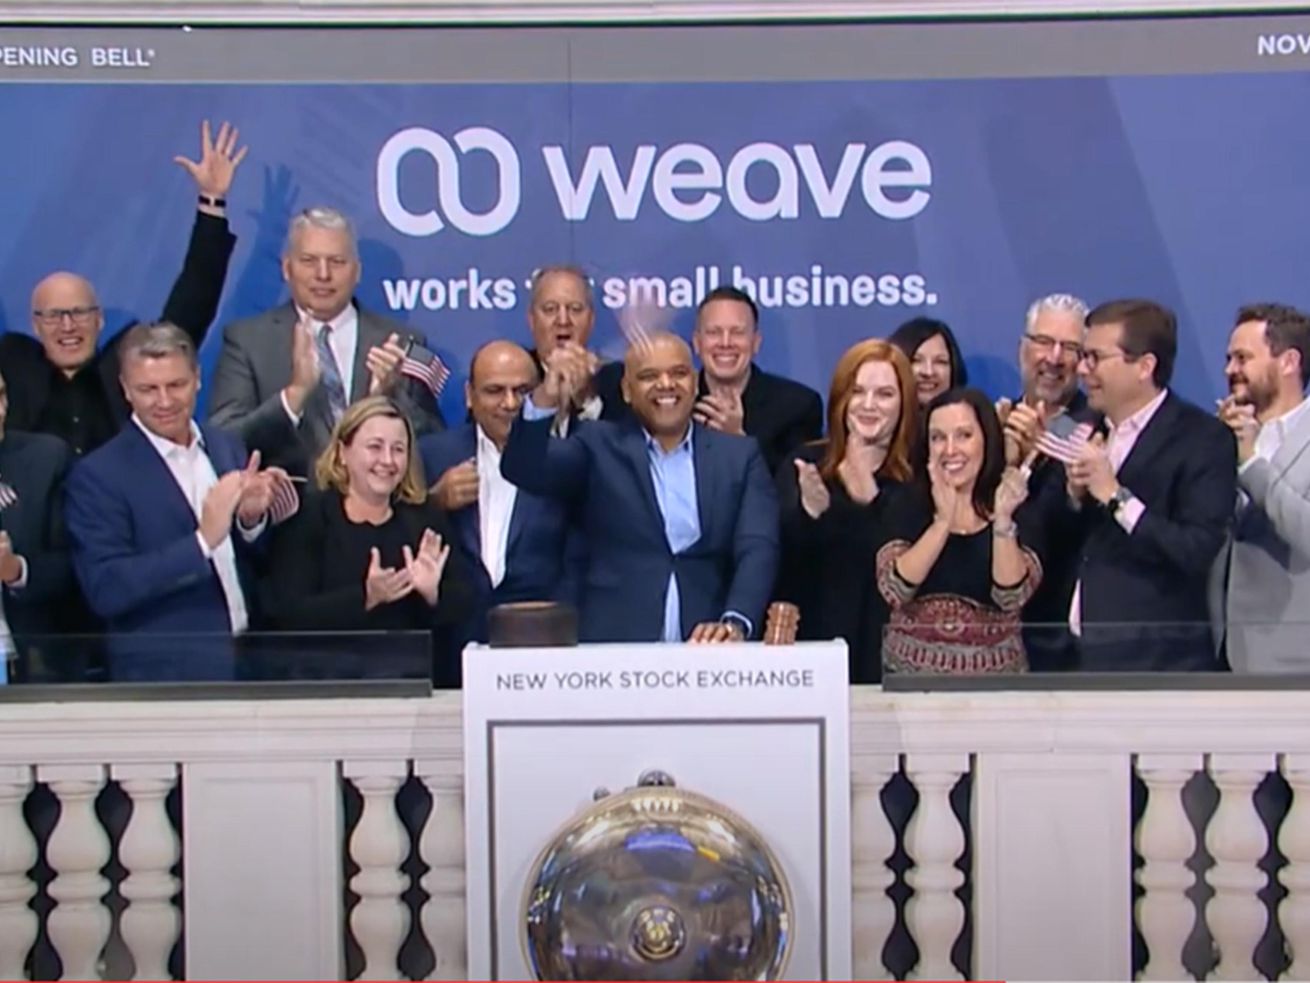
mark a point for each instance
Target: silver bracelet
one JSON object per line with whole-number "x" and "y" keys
{"x": 1009, "y": 531}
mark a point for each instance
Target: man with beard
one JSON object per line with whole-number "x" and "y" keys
{"x": 680, "y": 520}
{"x": 1049, "y": 350}
{"x": 1261, "y": 583}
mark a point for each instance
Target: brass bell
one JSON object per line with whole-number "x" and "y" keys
{"x": 657, "y": 883}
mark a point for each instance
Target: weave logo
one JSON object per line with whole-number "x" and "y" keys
{"x": 685, "y": 182}
{"x": 469, "y": 141}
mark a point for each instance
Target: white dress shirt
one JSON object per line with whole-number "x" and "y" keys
{"x": 496, "y": 498}
{"x": 344, "y": 342}
{"x": 1119, "y": 444}
{"x": 194, "y": 473}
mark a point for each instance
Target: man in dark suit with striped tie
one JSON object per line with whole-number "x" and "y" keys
{"x": 284, "y": 377}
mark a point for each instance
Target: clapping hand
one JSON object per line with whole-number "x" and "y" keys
{"x": 384, "y": 363}
{"x": 1241, "y": 419}
{"x": 945, "y": 496}
{"x": 384, "y": 585}
{"x": 425, "y": 567}
{"x": 721, "y": 411}
{"x": 815, "y": 497}
{"x": 457, "y": 487}
{"x": 11, "y": 564}
{"x": 1023, "y": 425}
{"x": 256, "y": 493}
{"x": 1092, "y": 472}
{"x": 306, "y": 369}
{"x": 1011, "y": 492}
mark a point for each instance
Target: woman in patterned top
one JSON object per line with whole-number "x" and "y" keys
{"x": 960, "y": 560}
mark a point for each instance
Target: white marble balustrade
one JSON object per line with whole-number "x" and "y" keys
{"x": 1050, "y": 832}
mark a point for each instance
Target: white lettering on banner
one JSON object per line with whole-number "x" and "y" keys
{"x": 687, "y": 181}
{"x": 575, "y": 200}
{"x": 811, "y": 287}
{"x": 1282, "y": 44}
{"x": 122, "y": 57}
{"x": 472, "y": 291}
{"x": 895, "y": 164}
{"x": 417, "y": 138}
{"x": 18, "y": 57}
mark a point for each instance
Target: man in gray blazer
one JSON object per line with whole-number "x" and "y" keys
{"x": 284, "y": 377}
{"x": 1260, "y": 588}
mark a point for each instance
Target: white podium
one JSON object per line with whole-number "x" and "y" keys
{"x": 763, "y": 730}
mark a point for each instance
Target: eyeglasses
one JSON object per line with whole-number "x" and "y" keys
{"x": 1045, "y": 343}
{"x": 54, "y": 316}
{"x": 1094, "y": 358}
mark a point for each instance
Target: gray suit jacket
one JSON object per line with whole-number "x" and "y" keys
{"x": 254, "y": 366}
{"x": 1260, "y": 585}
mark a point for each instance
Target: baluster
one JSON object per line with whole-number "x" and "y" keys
{"x": 934, "y": 842}
{"x": 1166, "y": 841}
{"x": 17, "y": 856}
{"x": 873, "y": 841}
{"x": 441, "y": 847}
{"x": 1237, "y": 840}
{"x": 379, "y": 846}
{"x": 1294, "y": 843}
{"x": 148, "y": 851}
{"x": 77, "y": 851}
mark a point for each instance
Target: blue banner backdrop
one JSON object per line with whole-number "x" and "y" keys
{"x": 850, "y": 205}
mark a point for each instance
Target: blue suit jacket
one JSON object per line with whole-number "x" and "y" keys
{"x": 135, "y": 551}
{"x": 542, "y": 557}
{"x": 605, "y": 468}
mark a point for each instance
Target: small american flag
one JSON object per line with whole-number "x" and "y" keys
{"x": 426, "y": 366}
{"x": 8, "y": 496}
{"x": 286, "y": 500}
{"x": 1063, "y": 439}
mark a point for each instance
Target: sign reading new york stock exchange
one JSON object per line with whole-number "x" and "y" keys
{"x": 672, "y": 812}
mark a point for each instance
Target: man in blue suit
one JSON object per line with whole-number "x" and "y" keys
{"x": 681, "y": 521}
{"x": 151, "y": 517}
{"x": 517, "y": 543}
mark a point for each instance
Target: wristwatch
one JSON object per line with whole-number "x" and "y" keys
{"x": 1118, "y": 500}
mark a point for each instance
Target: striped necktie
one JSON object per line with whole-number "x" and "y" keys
{"x": 330, "y": 378}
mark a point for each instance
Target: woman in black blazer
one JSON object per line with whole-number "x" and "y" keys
{"x": 834, "y": 496}
{"x": 367, "y": 551}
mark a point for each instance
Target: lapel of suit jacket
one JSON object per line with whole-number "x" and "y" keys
{"x": 705, "y": 465}
{"x": 372, "y": 333}
{"x": 219, "y": 452}
{"x": 752, "y": 400}
{"x": 151, "y": 471}
{"x": 468, "y": 520}
{"x": 633, "y": 443}
{"x": 12, "y": 472}
{"x": 1295, "y": 443}
{"x": 1150, "y": 442}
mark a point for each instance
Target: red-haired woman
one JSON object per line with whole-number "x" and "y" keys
{"x": 834, "y": 496}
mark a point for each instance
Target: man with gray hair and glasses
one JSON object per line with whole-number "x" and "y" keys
{"x": 1042, "y": 428}
{"x": 285, "y": 376}
{"x": 61, "y": 382}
